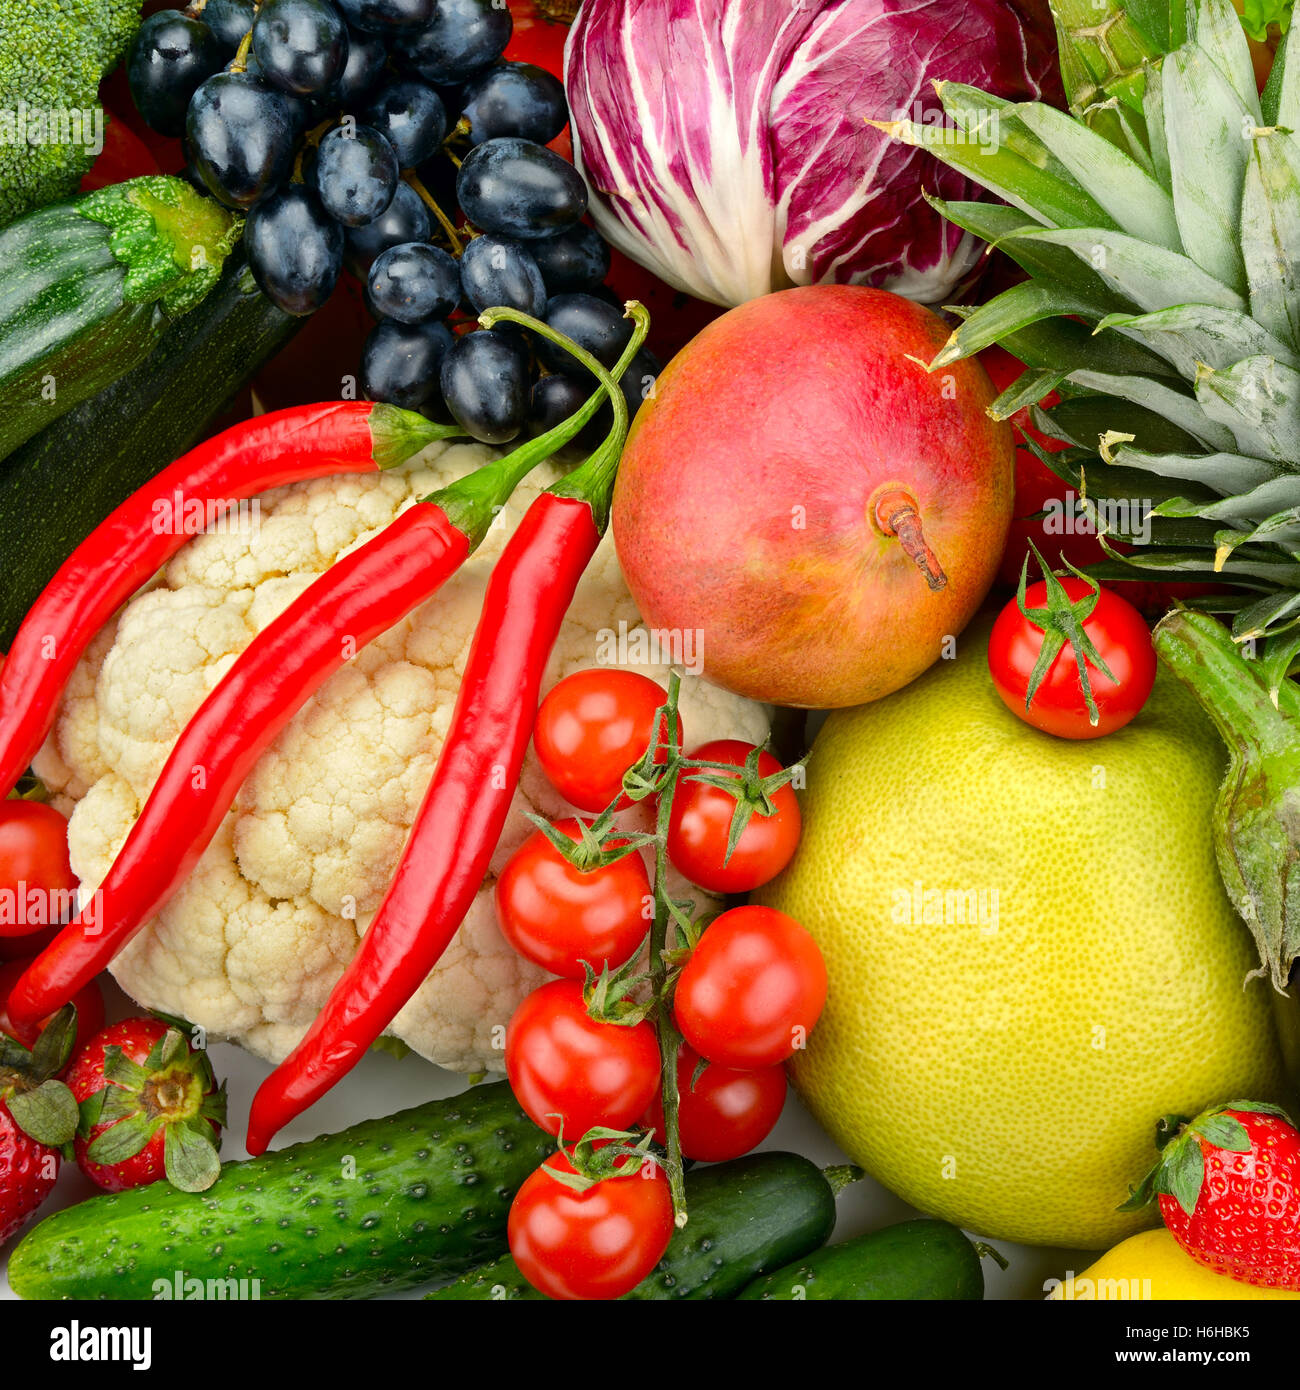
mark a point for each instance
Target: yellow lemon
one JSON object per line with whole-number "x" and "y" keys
{"x": 1153, "y": 1265}
{"x": 1031, "y": 956}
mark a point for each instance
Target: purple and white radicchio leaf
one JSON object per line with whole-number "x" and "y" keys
{"x": 727, "y": 147}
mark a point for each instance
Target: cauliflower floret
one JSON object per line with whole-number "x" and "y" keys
{"x": 252, "y": 944}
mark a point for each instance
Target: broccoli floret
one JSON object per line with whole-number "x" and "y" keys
{"x": 53, "y": 54}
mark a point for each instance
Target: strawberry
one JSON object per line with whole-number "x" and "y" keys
{"x": 38, "y": 1116}
{"x": 1228, "y": 1184}
{"x": 150, "y": 1107}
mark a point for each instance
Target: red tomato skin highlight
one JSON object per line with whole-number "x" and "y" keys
{"x": 562, "y": 1062}
{"x": 752, "y": 990}
{"x": 597, "y": 1244}
{"x": 701, "y": 819}
{"x": 557, "y": 916}
{"x": 591, "y": 728}
{"x": 1120, "y": 634}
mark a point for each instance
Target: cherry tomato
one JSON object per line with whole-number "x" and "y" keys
{"x": 563, "y": 1063}
{"x": 36, "y": 879}
{"x": 594, "y": 1244}
{"x": 701, "y": 822}
{"x": 89, "y": 1002}
{"x": 1120, "y": 635}
{"x": 559, "y": 916}
{"x": 725, "y": 1114}
{"x": 752, "y": 989}
{"x": 591, "y": 728}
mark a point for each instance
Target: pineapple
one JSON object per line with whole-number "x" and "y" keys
{"x": 1160, "y": 228}
{"x": 1159, "y": 225}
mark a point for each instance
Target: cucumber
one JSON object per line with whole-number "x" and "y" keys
{"x": 913, "y": 1260}
{"x": 56, "y": 488}
{"x": 389, "y": 1204}
{"x": 751, "y": 1214}
{"x": 88, "y": 286}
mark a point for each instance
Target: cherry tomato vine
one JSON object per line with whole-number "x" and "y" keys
{"x": 615, "y": 996}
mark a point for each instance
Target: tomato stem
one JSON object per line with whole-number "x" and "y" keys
{"x": 663, "y": 938}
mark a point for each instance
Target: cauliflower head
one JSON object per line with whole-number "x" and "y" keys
{"x": 251, "y": 945}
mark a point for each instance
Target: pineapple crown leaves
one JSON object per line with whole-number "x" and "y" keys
{"x": 1062, "y": 620}
{"x": 1159, "y": 225}
{"x": 41, "y": 1105}
{"x": 1179, "y": 1171}
{"x": 174, "y": 1091}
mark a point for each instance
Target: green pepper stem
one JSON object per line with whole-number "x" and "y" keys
{"x": 473, "y": 502}
{"x": 593, "y": 481}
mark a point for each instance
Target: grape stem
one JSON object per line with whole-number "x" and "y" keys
{"x": 195, "y": 8}
{"x": 311, "y": 139}
{"x": 240, "y": 63}
{"x": 432, "y": 204}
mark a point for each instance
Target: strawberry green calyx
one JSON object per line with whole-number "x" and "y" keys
{"x": 41, "y": 1105}
{"x": 170, "y": 239}
{"x": 1062, "y": 620}
{"x": 1179, "y": 1172}
{"x": 174, "y": 1091}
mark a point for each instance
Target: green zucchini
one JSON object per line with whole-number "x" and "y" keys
{"x": 913, "y": 1260}
{"x": 88, "y": 286}
{"x": 389, "y": 1204}
{"x": 56, "y": 488}
{"x": 751, "y": 1214}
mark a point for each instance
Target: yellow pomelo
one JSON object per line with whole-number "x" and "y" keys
{"x": 1153, "y": 1265}
{"x": 1031, "y": 955}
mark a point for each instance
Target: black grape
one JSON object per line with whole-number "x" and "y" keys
{"x": 495, "y": 271}
{"x": 356, "y": 174}
{"x": 411, "y": 117}
{"x": 301, "y": 45}
{"x": 485, "y": 380}
{"x": 407, "y": 219}
{"x": 461, "y": 37}
{"x": 170, "y": 56}
{"x": 515, "y": 99}
{"x": 400, "y": 362}
{"x": 575, "y": 260}
{"x": 413, "y": 283}
{"x": 295, "y": 249}
{"x": 241, "y": 133}
{"x": 516, "y": 188}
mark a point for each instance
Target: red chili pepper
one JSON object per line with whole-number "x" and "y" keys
{"x": 357, "y": 599}
{"x": 464, "y": 810}
{"x": 132, "y": 543}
